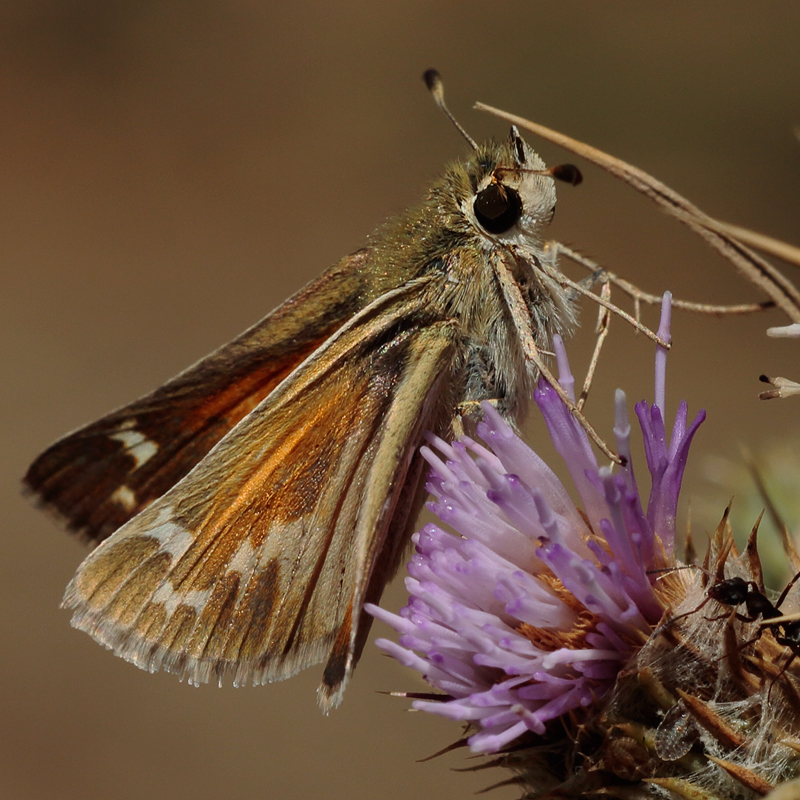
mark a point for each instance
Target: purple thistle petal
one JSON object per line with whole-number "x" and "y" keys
{"x": 572, "y": 444}
{"x": 565, "y": 377}
{"x": 663, "y": 333}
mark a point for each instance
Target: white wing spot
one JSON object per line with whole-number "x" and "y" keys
{"x": 172, "y": 599}
{"x": 136, "y": 444}
{"x": 174, "y": 538}
{"x": 125, "y": 497}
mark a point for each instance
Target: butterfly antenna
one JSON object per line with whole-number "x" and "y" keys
{"x": 433, "y": 80}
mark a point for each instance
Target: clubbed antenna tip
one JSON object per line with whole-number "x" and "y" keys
{"x": 433, "y": 80}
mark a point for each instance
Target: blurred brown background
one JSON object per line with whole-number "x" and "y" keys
{"x": 170, "y": 171}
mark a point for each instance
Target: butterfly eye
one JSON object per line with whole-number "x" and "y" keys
{"x": 497, "y": 208}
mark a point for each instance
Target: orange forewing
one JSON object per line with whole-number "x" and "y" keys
{"x": 91, "y": 480}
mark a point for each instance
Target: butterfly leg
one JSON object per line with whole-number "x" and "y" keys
{"x": 532, "y": 352}
{"x": 601, "y": 274}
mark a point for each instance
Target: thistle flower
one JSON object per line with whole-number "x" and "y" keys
{"x": 564, "y": 637}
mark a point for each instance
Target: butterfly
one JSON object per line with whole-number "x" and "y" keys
{"x": 245, "y": 511}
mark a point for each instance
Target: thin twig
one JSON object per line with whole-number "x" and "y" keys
{"x": 766, "y": 244}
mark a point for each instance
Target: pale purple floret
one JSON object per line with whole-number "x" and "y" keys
{"x": 486, "y": 623}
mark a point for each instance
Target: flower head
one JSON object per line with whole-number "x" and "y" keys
{"x": 532, "y": 608}
{"x": 571, "y": 640}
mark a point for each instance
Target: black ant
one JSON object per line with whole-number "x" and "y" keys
{"x": 735, "y": 592}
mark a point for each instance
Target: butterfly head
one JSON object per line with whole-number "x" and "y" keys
{"x": 514, "y": 193}
{"x": 511, "y": 191}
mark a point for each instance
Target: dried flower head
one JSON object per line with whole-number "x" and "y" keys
{"x": 566, "y": 638}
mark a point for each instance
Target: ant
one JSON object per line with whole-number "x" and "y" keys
{"x": 735, "y": 592}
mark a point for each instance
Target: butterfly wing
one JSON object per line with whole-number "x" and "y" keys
{"x": 258, "y": 562}
{"x": 97, "y": 478}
